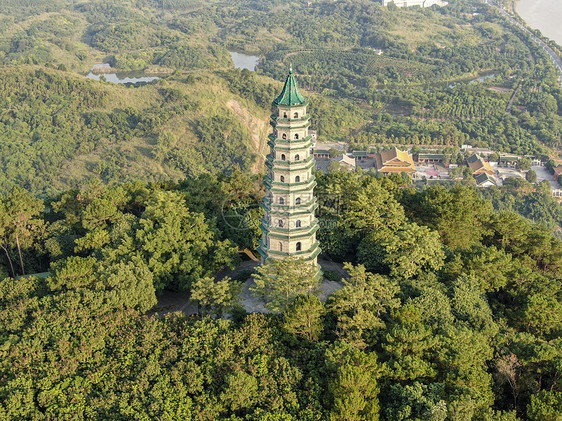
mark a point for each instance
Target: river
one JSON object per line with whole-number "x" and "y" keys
{"x": 544, "y": 15}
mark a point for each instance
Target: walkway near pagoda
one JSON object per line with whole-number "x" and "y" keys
{"x": 253, "y": 304}
{"x": 170, "y": 302}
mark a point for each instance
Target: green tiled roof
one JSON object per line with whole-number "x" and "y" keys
{"x": 509, "y": 158}
{"x": 290, "y": 94}
{"x": 481, "y": 178}
{"x": 472, "y": 159}
{"x": 430, "y": 156}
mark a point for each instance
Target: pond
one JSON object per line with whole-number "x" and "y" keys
{"x": 121, "y": 77}
{"x": 244, "y": 61}
{"x": 482, "y": 78}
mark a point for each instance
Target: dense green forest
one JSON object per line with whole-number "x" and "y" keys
{"x": 111, "y": 195}
{"x": 451, "y": 311}
{"x": 377, "y": 75}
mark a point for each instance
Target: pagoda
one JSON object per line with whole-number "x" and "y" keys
{"x": 289, "y": 225}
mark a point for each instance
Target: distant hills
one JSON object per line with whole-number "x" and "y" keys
{"x": 377, "y": 76}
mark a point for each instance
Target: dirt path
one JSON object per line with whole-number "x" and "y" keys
{"x": 258, "y": 131}
{"x": 171, "y": 302}
{"x": 244, "y": 266}
{"x": 512, "y": 99}
{"x": 295, "y": 53}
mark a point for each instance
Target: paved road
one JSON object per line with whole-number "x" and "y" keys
{"x": 555, "y": 58}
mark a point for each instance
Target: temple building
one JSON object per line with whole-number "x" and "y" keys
{"x": 479, "y": 166}
{"x": 289, "y": 225}
{"x": 557, "y": 172}
{"x": 485, "y": 180}
{"x": 395, "y": 161}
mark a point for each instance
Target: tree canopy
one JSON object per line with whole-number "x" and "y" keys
{"x": 424, "y": 324}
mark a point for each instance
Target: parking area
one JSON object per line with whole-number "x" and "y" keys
{"x": 503, "y": 173}
{"x": 509, "y": 172}
{"x": 543, "y": 174}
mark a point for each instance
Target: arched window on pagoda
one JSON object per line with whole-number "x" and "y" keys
{"x": 299, "y": 246}
{"x": 280, "y": 246}
{"x": 297, "y": 157}
{"x": 283, "y": 157}
{"x": 282, "y": 178}
{"x": 281, "y": 201}
{"x": 280, "y": 223}
{"x": 298, "y": 224}
{"x": 298, "y": 201}
{"x": 297, "y": 179}
{"x": 284, "y": 136}
{"x": 284, "y": 115}
{"x": 296, "y": 115}
{"x": 296, "y": 135}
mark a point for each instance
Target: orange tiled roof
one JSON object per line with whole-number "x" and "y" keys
{"x": 395, "y": 161}
{"x": 479, "y": 166}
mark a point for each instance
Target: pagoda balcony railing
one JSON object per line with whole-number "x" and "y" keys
{"x": 289, "y": 141}
{"x": 270, "y": 182}
{"x": 288, "y": 170}
{"x": 290, "y": 187}
{"x": 267, "y": 201}
{"x": 277, "y": 118}
{"x": 289, "y": 163}
{"x": 291, "y": 126}
{"x": 287, "y": 236}
{"x": 291, "y": 147}
{"x": 291, "y": 234}
{"x": 314, "y": 251}
{"x": 289, "y": 230}
{"x": 295, "y": 189}
{"x": 285, "y": 210}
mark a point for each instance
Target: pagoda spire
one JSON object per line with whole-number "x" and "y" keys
{"x": 290, "y": 95}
